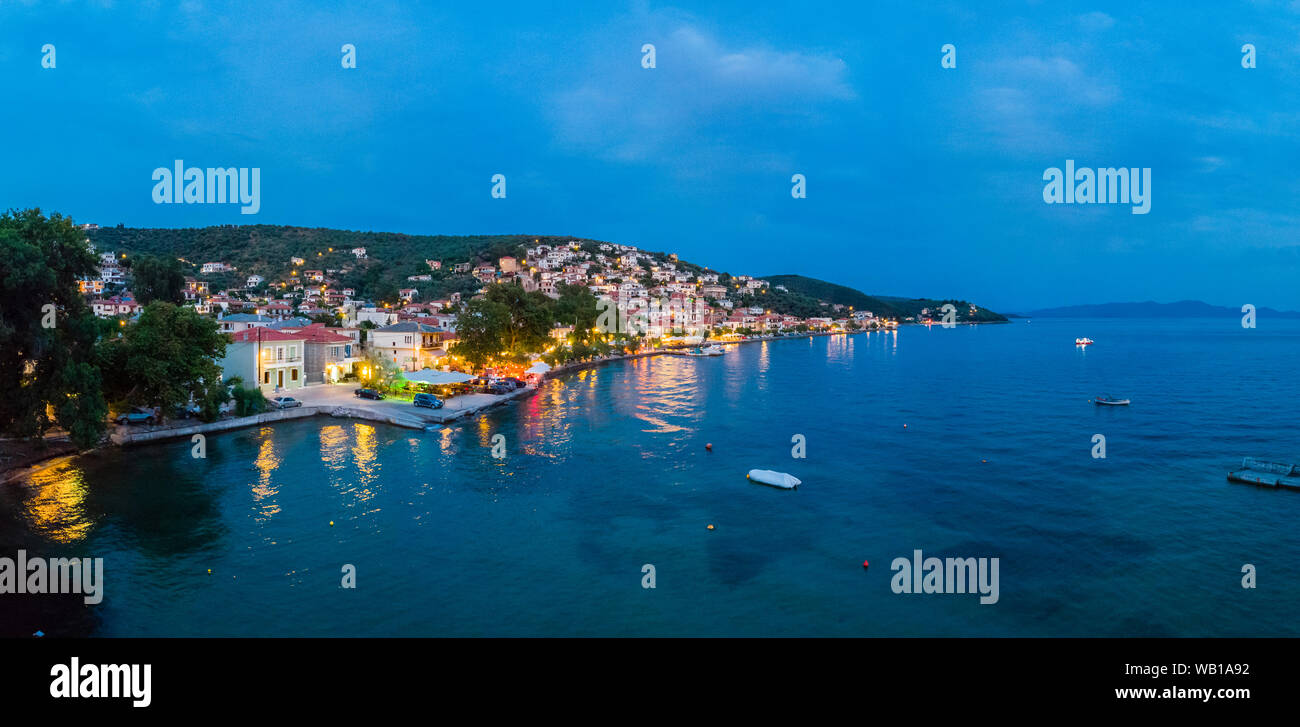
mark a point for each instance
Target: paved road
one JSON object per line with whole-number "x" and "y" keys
{"x": 342, "y": 395}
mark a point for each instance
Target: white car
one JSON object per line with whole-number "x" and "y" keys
{"x": 284, "y": 402}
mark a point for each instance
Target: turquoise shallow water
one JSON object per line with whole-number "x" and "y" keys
{"x": 607, "y": 471}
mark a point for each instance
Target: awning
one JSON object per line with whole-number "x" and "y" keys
{"x": 539, "y": 367}
{"x": 429, "y": 376}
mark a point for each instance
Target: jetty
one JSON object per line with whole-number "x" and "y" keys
{"x": 1266, "y": 474}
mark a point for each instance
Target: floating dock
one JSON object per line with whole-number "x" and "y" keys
{"x": 1266, "y": 474}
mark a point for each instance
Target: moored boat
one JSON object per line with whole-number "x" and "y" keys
{"x": 1108, "y": 400}
{"x": 1266, "y": 474}
{"x": 773, "y": 478}
{"x": 1083, "y": 341}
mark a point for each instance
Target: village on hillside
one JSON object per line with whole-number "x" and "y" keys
{"x": 305, "y": 327}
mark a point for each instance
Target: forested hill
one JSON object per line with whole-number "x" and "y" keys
{"x": 881, "y": 305}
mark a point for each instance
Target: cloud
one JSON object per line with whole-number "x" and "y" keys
{"x": 1029, "y": 103}
{"x": 1095, "y": 21}
{"x": 701, "y": 93}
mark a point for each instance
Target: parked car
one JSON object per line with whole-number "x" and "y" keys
{"x": 284, "y": 402}
{"x": 506, "y": 384}
{"x": 498, "y": 389}
{"x": 368, "y": 394}
{"x": 428, "y": 400}
{"x": 138, "y": 416}
{"x": 519, "y": 383}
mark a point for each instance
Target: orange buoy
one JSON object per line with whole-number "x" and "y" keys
{"x": 905, "y": 426}
{"x": 710, "y": 526}
{"x": 866, "y": 564}
{"x": 709, "y": 446}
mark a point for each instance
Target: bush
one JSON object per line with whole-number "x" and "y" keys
{"x": 247, "y": 401}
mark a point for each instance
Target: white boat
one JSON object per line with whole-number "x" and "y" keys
{"x": 775, "y": 479}
{"x": 1083, "y": 341}
{"x": 714, "y": 350}
{"x": 1108, "y": 400}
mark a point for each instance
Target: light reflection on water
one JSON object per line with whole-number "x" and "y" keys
{"x": 607, "y": 471}
{"x": 57, "y": 509}
{"x": 267, "y": 461}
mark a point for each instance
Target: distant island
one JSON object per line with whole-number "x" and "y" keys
{"x": 1151, "y": 309}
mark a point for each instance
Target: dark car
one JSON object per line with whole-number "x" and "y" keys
{"x": 519, "y": 383}
{"x": 139, "y": 416}
{"x": 427, "y": 400}
{"x": 498, "y": 389}
{"x": 368, "y": 394}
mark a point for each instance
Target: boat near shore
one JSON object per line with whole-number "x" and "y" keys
{"x": 713, "y": 350}
{"x": 1266, "y": 474}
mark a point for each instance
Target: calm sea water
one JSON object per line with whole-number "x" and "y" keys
{"x": 972, "y": 442}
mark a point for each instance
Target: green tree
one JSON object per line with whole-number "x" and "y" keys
{"x": 48, "y": 375}
{"x": 380, "y": 372}
{"x": 577, "y": 306}
{"x": 165, "y": 358}
{"x": 529, "y": 328}
{"x": 481, "y": 327}
{"x": 157, "y": 278}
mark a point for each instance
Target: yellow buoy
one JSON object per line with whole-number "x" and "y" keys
{"x": 710, "y": 527}
{"x": 331, "y": 523}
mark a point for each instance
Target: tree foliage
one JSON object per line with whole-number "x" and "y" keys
{"x": 157, "y": 278}
{"x": 166, "y": 358}
{"x": 48, "y": 374}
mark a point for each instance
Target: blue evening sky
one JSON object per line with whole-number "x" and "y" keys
{"x": 921, "y": 180}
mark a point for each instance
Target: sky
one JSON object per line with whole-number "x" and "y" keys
{"x": 921, "y": 180}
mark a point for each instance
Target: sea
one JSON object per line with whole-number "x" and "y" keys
{"x": 621, "y": 505}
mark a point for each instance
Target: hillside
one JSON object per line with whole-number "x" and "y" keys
{"x": 266, "y": 249}
{"x": 882, "y": 306}
{"x": 1151, "y": 309}
{"x": 391, "y": 258}
{"x": 834, "y": 294}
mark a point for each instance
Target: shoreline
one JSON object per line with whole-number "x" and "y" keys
{"x": 128, "y": 438}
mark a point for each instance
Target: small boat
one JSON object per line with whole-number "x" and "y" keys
{"x": 696, "y": 352}
{"x": 714, "y": 350}
{"x": 1267, "y": 474}
{"x": 1108, "y": 400}
{"x": 775, "y": 479}
{"x": 1083, "y": 341}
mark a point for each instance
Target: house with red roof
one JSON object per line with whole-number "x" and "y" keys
{"x": 329, "y": 354}
{"x": 273, "y": 360}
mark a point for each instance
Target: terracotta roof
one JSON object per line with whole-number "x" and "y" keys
{"x": 318, "y": 333}
{"x": 253, "y": 335}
